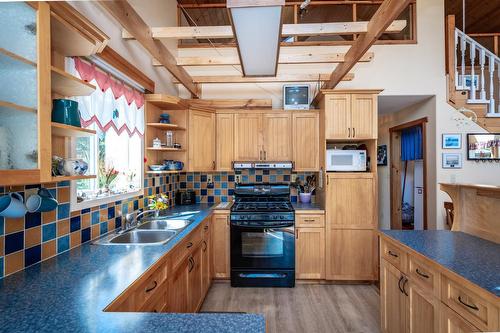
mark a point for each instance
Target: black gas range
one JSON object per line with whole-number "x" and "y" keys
{"x": 262, "y": 236}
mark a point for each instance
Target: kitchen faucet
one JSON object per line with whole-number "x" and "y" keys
{"x": 131, "y": 222}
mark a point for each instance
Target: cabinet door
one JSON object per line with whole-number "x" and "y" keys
{"x": 338, "y": 116}
{"x": 277, "y": 136}
{"x": 195, "y": 280}
{"x": 206, "y": 276}
{"x": 392, "y": 300}
{"x": 178, "y": 289}
{"x": 351, "y": 201}
{"x": 451, "y": 322}
{"x": 423, "y": 309}
{"x": 363, "y": 116}
{"x": 247, "y": 137}
{"x": 306, "y": 141}
{"x": 351, "y": 255}
{"x": 201, "y": 141}
{"x": 310, "y": 253}
{"x": 221, "y": 245}
{"x": 224, "y": 141}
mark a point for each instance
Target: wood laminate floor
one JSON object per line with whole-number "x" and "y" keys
{"x": 305, "y": 308}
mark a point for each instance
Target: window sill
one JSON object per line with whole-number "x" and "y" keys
{"x": 101, "y": 201}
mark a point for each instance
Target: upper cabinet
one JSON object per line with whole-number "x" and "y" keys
{"x": 306, "y": 141}
{"x": 263, "y": 137}
{"x": 224, "y": 125}
{"x": 201, "y": 146}
{"x": 248, "y": 137}
{"x": 350, "y": 115}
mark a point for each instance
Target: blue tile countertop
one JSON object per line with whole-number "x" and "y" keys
{"x": 306, "y": 206}
{"x": 68, "y": 293}
{"x": 473, "y": 258}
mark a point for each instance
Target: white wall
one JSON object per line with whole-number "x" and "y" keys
{"x": 154, "y": 13}
{"x": 417, "y": 69}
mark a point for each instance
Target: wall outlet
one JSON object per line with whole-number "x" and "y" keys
{"x": 237, "y": 179}
{"x": 210, "y": 179}
{"x": 293, "y": 178}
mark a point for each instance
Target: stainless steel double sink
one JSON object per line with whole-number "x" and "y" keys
{"x": 153, "y": 231}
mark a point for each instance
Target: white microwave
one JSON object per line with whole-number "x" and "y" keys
{"x": 345, "y": 160}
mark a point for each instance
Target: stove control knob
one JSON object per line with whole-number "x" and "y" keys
{"x": 282, "y": 217}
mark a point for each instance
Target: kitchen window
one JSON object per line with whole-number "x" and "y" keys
{"x": 115, "y": 153}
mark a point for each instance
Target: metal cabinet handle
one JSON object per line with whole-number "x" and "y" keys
{"x": 296, "y": 234}
{"x": 392, "y": 254}
{"x": 309, "y": 220}
{"x": 265, "y": 155}
{"x": 353, "y": 132}
{"x": 204, "y": 246}
{"x": 472, "y": 306}
{"x": 213, "y": 165}
{"x": 422, "y": 274}
{"x": 349, "y": 132}
{"x": 191, "y": 264}
{"x": 155, "y": 284}
{"x": 205, "y": 227}
{"x": 227, "y": 220}
{"x": 260, "y": 155}
{"x": 189, "y": 245}
{"x": 399, "y": 283}
{"x": 404, "y": 284}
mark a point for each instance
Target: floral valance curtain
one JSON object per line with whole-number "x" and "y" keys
{"x": 112, "y": 104}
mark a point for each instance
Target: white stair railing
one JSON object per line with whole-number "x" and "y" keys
{"x": 474, "y": 83}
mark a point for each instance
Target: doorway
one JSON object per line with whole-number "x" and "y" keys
{"x": 408, "y": 175}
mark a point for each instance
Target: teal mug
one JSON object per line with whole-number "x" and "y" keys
{"x": 43, "y": 201}
{"x": 12, "y": 205}
{"x": 65, "y": 111}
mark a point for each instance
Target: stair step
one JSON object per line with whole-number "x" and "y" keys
{"x": 478, "y": 101}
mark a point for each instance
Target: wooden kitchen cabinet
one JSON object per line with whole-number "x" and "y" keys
{"x": 393, "y": 302}
{"x": 247, "y": 137}
{"x": 350, "y": 115}
{"x": 195, "y": 273}
{"x": 206, "y": 262}
{"x": 422, "y": 307}
{"x": 310, "y": 253}
{"x": 277, "y": 137}
{"x": 224, "y": 141}
{"x": 201, "y": 146}
{"x": 178, "y": 288}
{"x": 221, "y": 245}
{"x": 451, "y": 322}
{"x": 306, "y": 141}
{"x": 351, "y": 200}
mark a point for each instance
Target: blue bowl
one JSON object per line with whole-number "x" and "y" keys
{"x": 65, "y": 111}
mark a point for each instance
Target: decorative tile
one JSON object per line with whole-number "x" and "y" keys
{"x": 32, "y": 255}
{"x": 63, "y": 244}
{"x": 75, "y": 239}
{"x": 85, "y": 235}
{"x": 2, "y": 225}
{"x": 48, "y": 231}
{"x": 14, "y": 224}
{"x": 14, "y": 262}
{"x": 14, "y": 242}
{"x": 63, "y": 194}
{"x": 75, "y": 223}
{"x": 103, "y": 228}
{"x": 48, "y": 249}
{"x": 95, "y": 217}
{"x": 86, "y": 220}
{"x": 63, "y": 211}
{"x": 1, "y": 267}
{"x": 62, "y": 227}
{"x": 48, "y": 217}
{"x": 33, "y": 236}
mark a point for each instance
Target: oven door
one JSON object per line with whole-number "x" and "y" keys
{"x": 262, "y": 247}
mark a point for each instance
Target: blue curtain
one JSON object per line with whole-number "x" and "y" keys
{"x": 411, "y": 144}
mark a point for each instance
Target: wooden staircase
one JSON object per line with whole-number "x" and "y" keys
{"x": 467, "y": 59}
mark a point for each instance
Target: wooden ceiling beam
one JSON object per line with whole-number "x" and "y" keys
{"x": 123, "y": 12}
{"x": 388, "y": 11}
{"x": 266, "y": 79}
{"x": 304, "y": 58}
{"x": 301, "y": 29}
{"x": 232, "y": 103}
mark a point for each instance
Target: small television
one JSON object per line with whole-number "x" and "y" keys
{"x": 296, "y": 97}
{"x": 483, "y": 146}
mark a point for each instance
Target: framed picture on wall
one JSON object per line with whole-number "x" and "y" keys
{"x": 382, "y": 155}
{"x": 452, "y": 141}
{"x": 452, "y": 161}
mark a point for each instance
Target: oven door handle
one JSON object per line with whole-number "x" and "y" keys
{"x": 281, "y": 226}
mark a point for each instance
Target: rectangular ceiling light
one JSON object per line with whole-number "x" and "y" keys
{"x": 257, "y": 28}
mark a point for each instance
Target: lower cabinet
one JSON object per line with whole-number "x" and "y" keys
{"x": 195, "y": 289}
{"x": 451, "y": 322}
{"x": 310, "y": 253}
{"x": 221, "y": 245}
{"x": 206, "y": 259}
{"x": 178, "y": 289}
{"x": 392, "y": 305}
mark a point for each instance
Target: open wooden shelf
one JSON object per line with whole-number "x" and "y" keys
{"x": 68, "y": 41}
{"x": 166, "y": 149}
{"x": 164, "y": 172}
{"x": 162, "y": 126}
{"x": 64, "y": 178}
{"x": 8, "y": 105}
{"x": 68, "y": 130}
{"x": 65, "y": 84}
{"x": 12, "y": 57}
{"x": 167, "y": 102}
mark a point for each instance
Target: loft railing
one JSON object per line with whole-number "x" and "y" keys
{"x": 472, "y": 68}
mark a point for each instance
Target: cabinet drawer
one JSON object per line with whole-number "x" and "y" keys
{"x": 184, "y": 248}
{"x": 393, "y": 254}
{"x": 469, "y": 305}
{"x": 420, "y": 272}
{"x": 158, "y": 303}
{"x": 150, "y": 286}
{"x": 310, "y": 221}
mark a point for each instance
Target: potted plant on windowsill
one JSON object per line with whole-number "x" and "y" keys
{"x": 305, "y": 189}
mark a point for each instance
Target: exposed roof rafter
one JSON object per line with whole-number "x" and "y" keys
{"x": 266, "y": 79}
